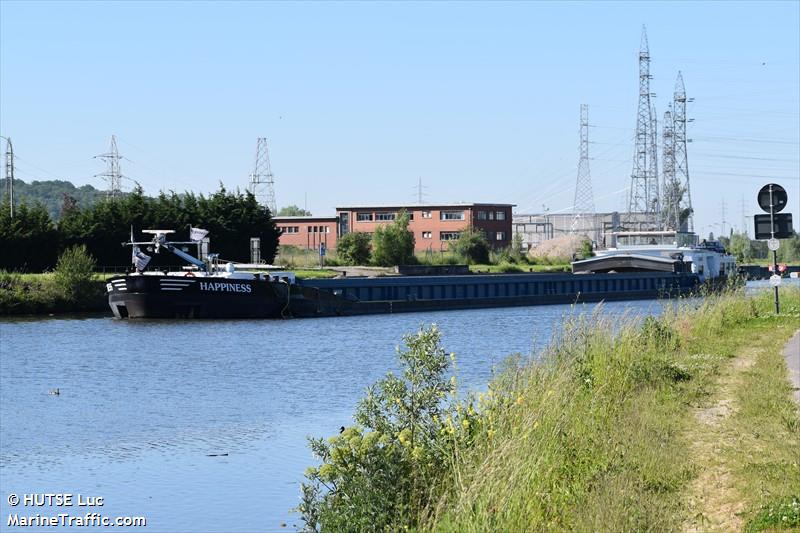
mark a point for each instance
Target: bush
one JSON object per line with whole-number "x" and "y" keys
{"x": 74, "y": 271}
{"x": 472, "y": 247}
{"x": 354, "y": 248}
{"x": 381, "y": 474}
{"x": 586, "y": 251}
{"x": 393, "y": 244}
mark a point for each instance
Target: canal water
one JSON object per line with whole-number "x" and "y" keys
{"x": 202, "y": 425}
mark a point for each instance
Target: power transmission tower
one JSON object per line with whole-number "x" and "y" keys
{"x": 672, "y": 191}
{"x": 681, "y": 161}
{"x": 744, "y": 219}
{"x": 584, "y": 199}
{"x": 262, "y": 182}
{"x": 420, "y": 191}
{"x": 113, "y": 174}
{"x": 653, "y": 169}
{"x": 10, "y": 175}
{"x": 722, "y": 232}
{"x": 643, "y": 198}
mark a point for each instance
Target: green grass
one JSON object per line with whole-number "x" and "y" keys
{"x": 25, "y": 294}
{"x": 598, "y": 435}
{"x": 503, "y": 268}
{"x": 315, "y": 274}
{"x": 765, "y": 455}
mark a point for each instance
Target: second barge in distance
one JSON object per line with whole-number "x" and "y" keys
{"x": 661, "y": 267}
{"x": 638, "y": 266}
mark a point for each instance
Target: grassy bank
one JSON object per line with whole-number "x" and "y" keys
{"x": 603, "y": 434}
{"x": 28, "y": 294}
{"x": 608, "y": 430}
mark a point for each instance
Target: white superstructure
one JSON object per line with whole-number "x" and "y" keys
{"x": 708, "y": 258}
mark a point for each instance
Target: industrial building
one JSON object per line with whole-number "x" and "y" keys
{"x": 434, "y": 225}
{"x": 539, "y": 227}
{"x": 307, "y": 232}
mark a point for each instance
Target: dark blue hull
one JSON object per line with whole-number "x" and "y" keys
{"x": 157, "y": 296}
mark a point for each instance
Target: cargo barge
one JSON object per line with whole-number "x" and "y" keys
{"x": 211, "y": 291}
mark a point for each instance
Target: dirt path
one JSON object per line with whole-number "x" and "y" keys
{"x": 714, "y": 505}
{"x": 791, "y": 352}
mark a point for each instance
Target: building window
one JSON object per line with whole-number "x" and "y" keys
{"x": 449, "y": 235}
{"x": 427, "y": 214}
{"x": 385, "y": 216}
{"x": 491, "y": 215}
{"x": 501, "y": 215}
{"x": 501, "y": 235}
{"x": 363, "y": 217}
{"x": 427, "y": 235}
{"x": 452, "y": 215}
{"x": 481, "y": 215}
{"x": 290, "y": 229}
{"x": 327, "y": 229}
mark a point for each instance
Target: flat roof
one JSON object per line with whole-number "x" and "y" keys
{"x": 307, "y": 218}
{"x": 423, "y": 206}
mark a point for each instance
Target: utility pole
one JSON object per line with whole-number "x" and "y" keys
{"x": 113, "y": 174}
{"x": 10, "y": 175}
{"x": 584, "y": 199}
{"x": 643, "y": 196}
{"x": 262, "y": 182}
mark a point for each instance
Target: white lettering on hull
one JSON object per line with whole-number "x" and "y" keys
{"x": 216, "y": 286}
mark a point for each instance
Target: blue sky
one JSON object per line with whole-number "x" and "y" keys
{"x": 360, "y": 100}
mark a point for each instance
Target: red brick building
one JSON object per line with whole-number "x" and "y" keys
{"x": 307, "y": 232}
{"x": 434, "y": 225}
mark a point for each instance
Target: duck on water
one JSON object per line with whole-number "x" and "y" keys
{"x": 639, "y": 266}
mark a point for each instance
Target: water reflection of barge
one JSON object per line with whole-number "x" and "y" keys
{"x": 212, "y": 292}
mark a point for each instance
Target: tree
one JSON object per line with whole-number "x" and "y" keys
{"x": 293, "y": 211}
{"x": 393, "y": 244}
{"x": 74, "y": 271}
{"x": 586, "y": 250}
{"x": 354, "y": 248}
{"x": 381, "y": 474}
{"x": 740, "y": 247}
{"x": 29, "y": 241}
{"x": 472, "y": 246}
{"x": 789, "y": 249}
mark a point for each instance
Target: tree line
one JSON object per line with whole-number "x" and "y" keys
{"x": 32, "y": 241}
{"x": 51, "y": 194}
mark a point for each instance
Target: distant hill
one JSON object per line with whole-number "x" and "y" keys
{"x": 51, "y": 194}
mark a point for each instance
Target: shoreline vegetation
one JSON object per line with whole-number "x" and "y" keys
{"x": 71, "y": 287}
{"x": 681, "y": 422}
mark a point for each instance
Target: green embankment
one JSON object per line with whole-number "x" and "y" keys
{"x": 29, "y": 294}
{"x": 612, "y": 432}
{"x": 682, "y": 422}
